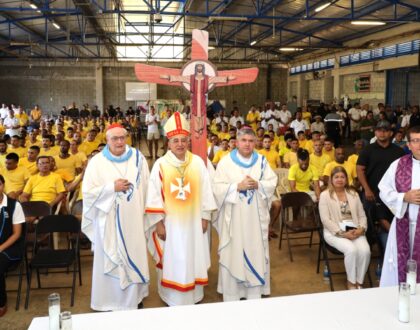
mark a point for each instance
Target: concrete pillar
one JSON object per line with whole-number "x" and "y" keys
{"x": 337, "y": 86}
{"x": 302, "y": 92}
{"x": 99, "y": 85}
{"x": 327, "y": 88}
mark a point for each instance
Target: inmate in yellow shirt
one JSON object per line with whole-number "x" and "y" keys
{"x": 44, "y": 188}
{"x": 351, "y": 172}
{"x": 15, "y": 179}
{"x": 219, "y": 155}
{"x": 319, "y": 162}
{"x": 291, "y": 158}
{"x": 30, "y": 166}
{"x": 303, "y": 179}
{"x": 68, "y": 165}
{"x": 272, "y": 157}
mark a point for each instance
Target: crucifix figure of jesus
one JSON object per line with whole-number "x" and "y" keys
{"x": 199, "y": 77}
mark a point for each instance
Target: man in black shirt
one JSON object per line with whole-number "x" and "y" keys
{"x": 85, "y": 113}
{"x": 73, "y": 112}
{"x": 63, "y": 111}
{"x": 372, "y": 164}
{"x": 415, "y": 116}
{"x": 120, "y": 114}
{"x": 111, "y": 111}
{"x": 130, "y": 112}
{"x": 96, "y": 113}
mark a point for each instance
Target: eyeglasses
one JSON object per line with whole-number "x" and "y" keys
{"x": 414, "y": 141}
{"x": 118, "y": 138}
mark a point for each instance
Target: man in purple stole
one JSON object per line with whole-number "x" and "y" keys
{"x": 400, "y": 191}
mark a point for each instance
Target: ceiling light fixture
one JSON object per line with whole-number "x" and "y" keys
{"x": 290, "y": 49}
{"x": 228, "y": 18}
{"x": 252, "y": 43}
{"x": 322, "y": 7}
{"x": 56, "y": 26}
{"x": 34, "y": 7}
{"x": 368, "y": 23}
{"x": 211, "y": 48}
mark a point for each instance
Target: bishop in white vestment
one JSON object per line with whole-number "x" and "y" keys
{"x": 114, "y": 188}
{"x": 243, "y": 186}
{"x": 400, "y": 191}
{"x": 179, "y": 205}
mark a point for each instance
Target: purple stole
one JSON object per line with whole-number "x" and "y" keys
{"x": 403, "y": 179}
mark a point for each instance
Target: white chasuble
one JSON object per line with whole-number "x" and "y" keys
{"x": 242, "y": 224}
{"x": 114, "y": 223}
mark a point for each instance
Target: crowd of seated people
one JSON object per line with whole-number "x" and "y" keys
{"x": 43, "y": 158}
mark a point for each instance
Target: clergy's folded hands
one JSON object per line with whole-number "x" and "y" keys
{"x": 412, "y": 196}
{"x": 121, "y": 185}
{"x": 247, "y": 184}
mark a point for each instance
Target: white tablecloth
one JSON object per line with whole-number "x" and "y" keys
{"x": 367, "y": 309}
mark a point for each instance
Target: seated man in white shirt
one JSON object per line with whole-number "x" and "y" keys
{"x": 299, "y": 124}
{"x": 235, "y": 118}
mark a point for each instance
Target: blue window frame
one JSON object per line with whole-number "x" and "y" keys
{"x": 401, "y": 49}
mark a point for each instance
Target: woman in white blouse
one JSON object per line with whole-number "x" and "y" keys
{"x": 345, "y": 225}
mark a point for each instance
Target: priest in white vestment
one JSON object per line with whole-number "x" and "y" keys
{"x": 243, "y": 186}
{"x": 178, "y": 207}
{"x": 114, "y": 188}
{"x": 400, "y": 191}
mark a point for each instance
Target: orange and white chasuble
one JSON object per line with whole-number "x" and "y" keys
{"x": 179, "y": 192}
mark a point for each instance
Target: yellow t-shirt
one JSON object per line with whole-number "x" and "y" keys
{"x": 319, "y": 162}
{"x": 163, "y": 114}
{"x": 30, "y": 166}
{"x": 302, "y": 143}
{"x": 219, "y": 155}
{"x": 129, "y": 141}
{"x": 87, "y": 147}
{"x": 36, "y": 114}
{"x": 252, "y": 118}
{"x": 309, "y": 146}
{"x": 68, "y": 165}
{"x": 272, "y": 157}
{"x": 351, "y": 171}
{"x": 306, "y": 115}
{"x": 100, "y": 138}
{"x": 30, "y": 144}
{"x": 330, "y": 153}
{"x": 21, "y": 152}
{"x": 23, "y": 118}
{"x": 283, "y": 150}
{"x": 353, "y": 159}
{"x": 223, "y": 136}
{"x": 291, "y": 158}
{"x": 3, "y": 159}
{"x": 81, "y": 156}
{"x": 65, "y": 175}
{"x": 15, "y": 179}
{"x": 53, "y": 151}
{"x": 275, "y": 145}
{"x": 44, "y": 188}
{"x": 303, "y": 179}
